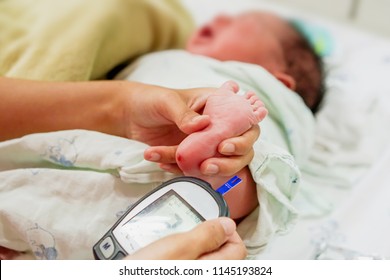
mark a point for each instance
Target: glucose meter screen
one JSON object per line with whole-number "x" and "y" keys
{"x": 169, "y": 214}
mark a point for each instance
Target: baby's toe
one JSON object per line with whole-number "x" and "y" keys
{"x": 258, "y": 104}
{"x": 249, "y": 94}
{"x": 260, "y": 113}
{"x": 231, "y": 86}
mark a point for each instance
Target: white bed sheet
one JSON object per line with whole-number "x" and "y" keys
{"x": 344, "y": 199}
{"x": 358, "y": 227}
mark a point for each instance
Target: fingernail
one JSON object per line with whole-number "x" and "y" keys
{"x": 197, "y": 118}
{"x": 228, "y": 148}
{"x": 229, "y": 226}
{"x": 154, "y": 157}
{"x": 211, "y": 169}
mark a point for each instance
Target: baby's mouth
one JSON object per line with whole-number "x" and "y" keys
{"x": 206, "y": 32}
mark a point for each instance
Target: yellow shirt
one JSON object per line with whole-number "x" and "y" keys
{"x": 77, "y": 40}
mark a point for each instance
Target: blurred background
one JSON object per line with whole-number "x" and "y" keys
{"x": 369, "y": 15}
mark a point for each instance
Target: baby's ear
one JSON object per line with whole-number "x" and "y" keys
{"x": 287, "y": 80}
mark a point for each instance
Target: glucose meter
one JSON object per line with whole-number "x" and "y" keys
{"x": 177, "y": 205}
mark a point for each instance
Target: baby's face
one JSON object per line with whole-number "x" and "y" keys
{"x": 251, "y": 37}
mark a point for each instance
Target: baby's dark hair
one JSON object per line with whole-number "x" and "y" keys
{"x": 306, "y": 67}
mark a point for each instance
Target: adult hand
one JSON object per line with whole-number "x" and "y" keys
{"x": 212, "y": 240}
{"x": 161, "y": 116}
{"x": 237, "y": 152}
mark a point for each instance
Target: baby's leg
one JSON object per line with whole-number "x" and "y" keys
{"x": 231, "y": 115}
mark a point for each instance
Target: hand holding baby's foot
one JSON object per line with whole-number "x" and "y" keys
{"x": 235, "y": 153}
{"x": 231, "y": 115}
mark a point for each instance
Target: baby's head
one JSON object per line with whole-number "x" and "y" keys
{"x": 265, "y": 39}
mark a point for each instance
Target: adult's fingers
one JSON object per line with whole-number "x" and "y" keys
{"x": 225, "y": 166}
{"x": 165, "y": 156}
{"x": 240, "y": 145}
{"x": 161, "y": 154}
{"x": 187, "y": 120}
{"x": 205, "y": 238}
{"x": 233, "y": 249}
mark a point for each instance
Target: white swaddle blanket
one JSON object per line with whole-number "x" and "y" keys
{"x": 61, "y": 191}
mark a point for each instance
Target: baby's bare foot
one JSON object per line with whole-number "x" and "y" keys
{"x": 231, "y": 115}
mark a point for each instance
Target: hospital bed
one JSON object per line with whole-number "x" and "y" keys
{"x": 344, "y": 200}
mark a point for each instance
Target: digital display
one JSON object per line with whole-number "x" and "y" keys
{"x": 169, "y": 214}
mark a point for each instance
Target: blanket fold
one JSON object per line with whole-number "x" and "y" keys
{"x": 59, "y": 191}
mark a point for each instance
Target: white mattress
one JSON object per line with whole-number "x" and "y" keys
{"x": 345, "y": 196}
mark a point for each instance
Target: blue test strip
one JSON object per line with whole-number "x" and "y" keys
{"x": 229, "y": 185}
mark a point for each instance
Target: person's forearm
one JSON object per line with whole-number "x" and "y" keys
{"x": 29, "y": 107}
